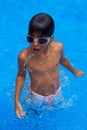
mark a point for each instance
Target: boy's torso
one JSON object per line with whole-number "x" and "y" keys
{"x": 44, "y": 72}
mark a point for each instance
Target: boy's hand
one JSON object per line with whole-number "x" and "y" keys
{"x": 78, "y": 73}
{"x": 19, "y": 111}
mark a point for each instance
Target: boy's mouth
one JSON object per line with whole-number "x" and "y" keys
{"x": 36, "y": 49}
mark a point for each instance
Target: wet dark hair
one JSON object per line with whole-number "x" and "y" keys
{"x": 42, "y": 24}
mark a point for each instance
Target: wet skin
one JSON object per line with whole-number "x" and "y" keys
{"x": 42, "y": 62}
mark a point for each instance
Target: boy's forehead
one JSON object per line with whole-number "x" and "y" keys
{"x": 38, "y": 34}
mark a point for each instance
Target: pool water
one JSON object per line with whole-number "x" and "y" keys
{"x": 70, "y": 18}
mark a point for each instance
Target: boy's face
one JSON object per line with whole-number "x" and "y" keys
{"x": 39, "y": 44}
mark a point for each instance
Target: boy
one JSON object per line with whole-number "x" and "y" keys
{"x": 41, "y": 59}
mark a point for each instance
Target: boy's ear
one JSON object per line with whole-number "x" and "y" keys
{"x": 52, "y": 36}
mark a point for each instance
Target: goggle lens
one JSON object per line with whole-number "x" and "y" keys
{"x": 42, "y": 40}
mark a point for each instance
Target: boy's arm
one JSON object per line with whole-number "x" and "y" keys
{"x": 19, "y": 85}
{"x": 65, "y": 62}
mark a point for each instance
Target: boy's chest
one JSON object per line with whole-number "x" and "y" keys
{"x": 43, "y": 63}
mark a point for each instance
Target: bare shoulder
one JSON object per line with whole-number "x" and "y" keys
{"x": 58, "y": 46}
{"x": 24, "y": 54}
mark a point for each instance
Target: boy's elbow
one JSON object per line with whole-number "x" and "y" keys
{"x": 63, "y": 61}
{"x": 22, "y": 75}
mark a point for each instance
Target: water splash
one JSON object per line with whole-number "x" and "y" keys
{"x": 69, "y": 103}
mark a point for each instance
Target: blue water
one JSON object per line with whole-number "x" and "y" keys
{"x": 70, "y": 28}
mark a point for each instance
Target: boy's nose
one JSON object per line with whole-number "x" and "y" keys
{"x": 35, "y": 43}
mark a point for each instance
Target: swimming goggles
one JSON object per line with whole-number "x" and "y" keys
{"x": 42, "y": 40}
